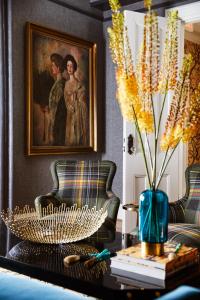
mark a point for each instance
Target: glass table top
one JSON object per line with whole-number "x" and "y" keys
{"x": 45, "y": 262}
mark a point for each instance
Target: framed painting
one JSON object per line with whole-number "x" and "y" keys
{"x": 61, "y": 92}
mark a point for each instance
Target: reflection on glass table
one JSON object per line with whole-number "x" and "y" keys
{"x": 50, "y": 257}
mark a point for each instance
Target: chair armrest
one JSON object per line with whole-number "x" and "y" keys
{"x": 112, "y": 203}
{"x": 44, "y": 200}
{"x": 177, "y": 211}
{"x": 131, "y": 207}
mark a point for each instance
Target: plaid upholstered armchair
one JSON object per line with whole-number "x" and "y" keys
{"x": 82, "y": 182}
{"x": 184, "y": 214}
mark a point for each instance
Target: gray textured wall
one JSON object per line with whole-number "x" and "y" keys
{"x": 31, "y": 176}
{"x": 113, "y": 122}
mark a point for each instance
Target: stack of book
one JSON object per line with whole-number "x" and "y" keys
{"x": 128, "y": 264}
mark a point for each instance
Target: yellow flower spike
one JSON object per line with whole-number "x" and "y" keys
{"x": 127, "y": 94}
{"x": 178, "y": 114}
{"x": 147, "y": 4}
{"x": 178, "y": 132}
{"x": 114, "y": 5}
{"x": 116, "y": 34}
{"x": 169, "y": 65}
{"x": 187, "y": 63}
{"x": 189, "y": 132}
{"x": 171, "y": 138}
{"x": 165, "y": 142}
{"x": 145, "y": 121}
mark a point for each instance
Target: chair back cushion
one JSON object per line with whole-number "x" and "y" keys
{"x": 83, "y": 182}
{"x": 192, "y": 208}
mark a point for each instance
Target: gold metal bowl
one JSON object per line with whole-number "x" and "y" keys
{"x": 54, "y": 225}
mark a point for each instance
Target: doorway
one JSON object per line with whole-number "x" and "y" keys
{"x": 189, "y": 14}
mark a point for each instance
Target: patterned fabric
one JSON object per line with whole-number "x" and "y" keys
{"x": 188, "y": 234}
{"x": 186, "y": 211}
{"x": 177, "y": 211}
{"x": 192, "y": 208}
{"x": 82, "y": 182}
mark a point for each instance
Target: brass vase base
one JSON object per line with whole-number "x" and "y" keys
{"x": 156, "y": 249}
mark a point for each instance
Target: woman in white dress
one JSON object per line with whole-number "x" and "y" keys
{"x": 75, "y": 101}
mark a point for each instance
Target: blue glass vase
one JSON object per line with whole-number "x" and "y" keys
{"x": 153, "y": 217}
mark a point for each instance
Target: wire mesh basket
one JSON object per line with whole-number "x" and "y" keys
{"x": 54, "y": 225}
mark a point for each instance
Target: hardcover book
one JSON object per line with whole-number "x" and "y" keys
{"x": 129, "y": 262}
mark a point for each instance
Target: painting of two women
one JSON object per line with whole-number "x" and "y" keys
{"x": 60, "y": 93}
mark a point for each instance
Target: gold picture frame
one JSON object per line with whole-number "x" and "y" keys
{"x": 60, "y": 93}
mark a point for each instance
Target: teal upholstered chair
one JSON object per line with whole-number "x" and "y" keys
{"x": 25, "y": 288}
{"x": 83, "y": 182}
{"x": 182, "y": 293}
{"x": 184, "y": 214}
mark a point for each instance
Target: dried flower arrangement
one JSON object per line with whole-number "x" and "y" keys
{"x": 137, "y": 89}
